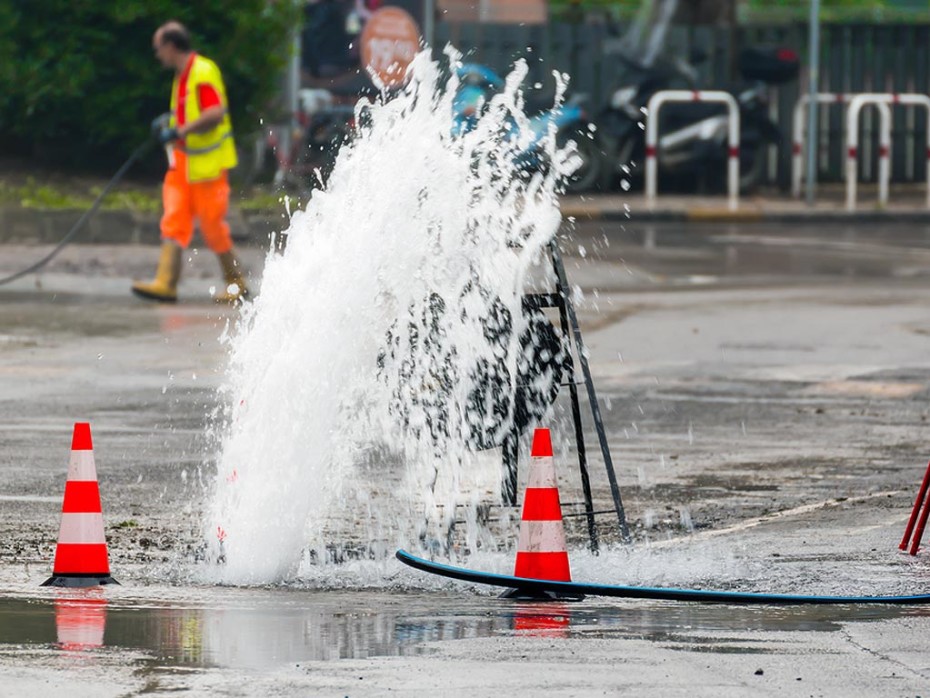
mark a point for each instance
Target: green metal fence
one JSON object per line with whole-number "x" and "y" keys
{"x": 855, "y": 58}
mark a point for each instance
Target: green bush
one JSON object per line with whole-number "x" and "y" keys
{"x": 79, "y": 83}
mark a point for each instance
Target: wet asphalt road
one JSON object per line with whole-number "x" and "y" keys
{"x": 765, "y": 394}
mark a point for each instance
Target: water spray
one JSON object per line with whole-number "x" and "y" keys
{"x": 359, "y": 379}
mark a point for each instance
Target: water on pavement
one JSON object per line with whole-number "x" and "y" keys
{"x": 767, "y": 419}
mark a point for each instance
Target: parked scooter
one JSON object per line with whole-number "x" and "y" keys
{"x": 693, "y": 136}
{"x": 322, "y": 123}
{"x": 478, "y": 84}
{"x": 328, "y": 122}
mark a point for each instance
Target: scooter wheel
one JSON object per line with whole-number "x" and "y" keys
{"x": 588, "y": 175}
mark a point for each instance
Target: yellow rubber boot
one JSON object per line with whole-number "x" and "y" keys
{"x": 164, "y": 287}
{"x": 235, "y": 289}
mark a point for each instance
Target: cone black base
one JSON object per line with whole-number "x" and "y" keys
{"x": 529, "y": 595}
{"x": 78, "y": 581}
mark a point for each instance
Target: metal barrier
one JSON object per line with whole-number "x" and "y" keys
{"x": 798, "y": 135}
{"x": 882, "y": 101}
{"x": 652, "y": 137}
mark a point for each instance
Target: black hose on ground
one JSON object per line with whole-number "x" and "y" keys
{"x": 576, "y": 590}
{"x": 120, "y": 173}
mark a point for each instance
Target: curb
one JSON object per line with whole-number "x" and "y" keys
{"x": 36, "y": 226}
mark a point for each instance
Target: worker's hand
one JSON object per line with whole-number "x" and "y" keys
{"x": 162, "y": 131}
{"x": 160, "y": 123}
{"x": 167, "y": 135}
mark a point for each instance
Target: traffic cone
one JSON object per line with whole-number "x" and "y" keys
{"x": 541, "y": 551}
{"x": 81, "y": 556}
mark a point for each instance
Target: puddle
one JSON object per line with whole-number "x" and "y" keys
{"x": 263, "y": 628}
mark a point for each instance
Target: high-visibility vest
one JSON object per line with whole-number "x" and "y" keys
{"x": 212, "y": 152}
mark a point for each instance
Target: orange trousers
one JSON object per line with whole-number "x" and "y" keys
{"x": 207, "y": 202}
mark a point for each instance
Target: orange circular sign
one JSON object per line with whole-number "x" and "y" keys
{"x": 390, "y": 40}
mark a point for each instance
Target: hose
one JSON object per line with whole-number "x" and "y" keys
{"x": 576, "y": 589}
{"x": 136, "y": 154}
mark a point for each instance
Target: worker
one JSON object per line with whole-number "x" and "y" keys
{"x": 197, "y": 135}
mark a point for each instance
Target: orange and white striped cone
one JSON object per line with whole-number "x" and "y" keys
{"x": 81, "y": 558}
{"x": 541, "y": 550}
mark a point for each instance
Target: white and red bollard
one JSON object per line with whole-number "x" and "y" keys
{"x": 652, "y": 137}
{"x": 883, "y": 101}
{"x": 797, "y": 134}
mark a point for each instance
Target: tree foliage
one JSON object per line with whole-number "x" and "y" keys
{"x": 79, "y": 82}
{"x": 756, "y": 10}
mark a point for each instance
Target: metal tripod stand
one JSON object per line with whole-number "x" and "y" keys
{"x": 571, "y": 333}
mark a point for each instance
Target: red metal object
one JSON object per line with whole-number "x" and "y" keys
{"x": 919, "y": 533}
{"x": 921, "y": 502}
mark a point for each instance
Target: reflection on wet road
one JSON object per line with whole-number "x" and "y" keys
{"x": 267, "y": 629}
{"x": 704, "y": 253}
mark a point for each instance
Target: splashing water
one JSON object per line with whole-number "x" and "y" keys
{"x": 388, "y": 338}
